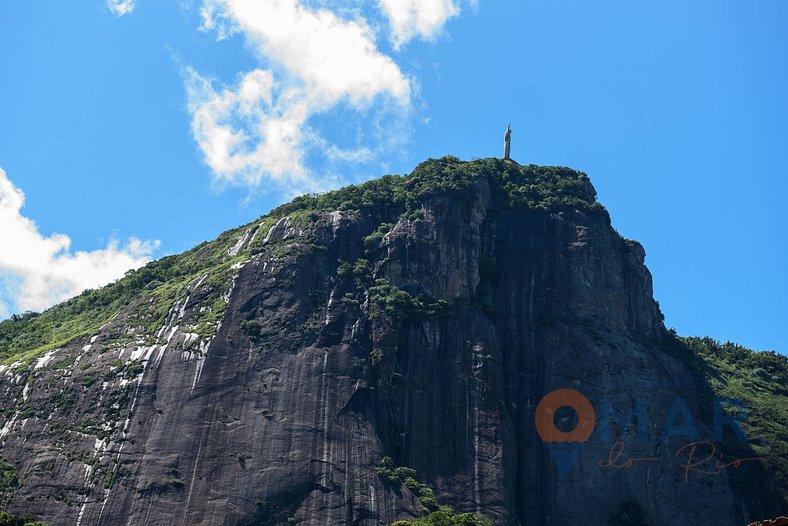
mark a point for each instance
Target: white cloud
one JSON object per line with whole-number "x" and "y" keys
{"x": 315, "y": 62}
{"x": 37, "y": 271}
{"x": 250, "y": 130}
{"x": 417, "y": 18}
{"x": 316, "y": 58}
{"x": 120, "y": 7}
{"x": 334, "y": 58}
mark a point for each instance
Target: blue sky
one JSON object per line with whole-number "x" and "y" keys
{"x": 137, "y": 129}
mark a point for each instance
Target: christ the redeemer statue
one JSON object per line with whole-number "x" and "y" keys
{"x": 507, "y": 141}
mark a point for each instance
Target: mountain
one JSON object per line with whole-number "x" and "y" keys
{"x": 472, "y": 343}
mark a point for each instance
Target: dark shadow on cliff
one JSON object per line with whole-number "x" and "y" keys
{"x": 759, "y": 488}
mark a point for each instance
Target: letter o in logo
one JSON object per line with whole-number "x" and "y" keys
{"x": 555, "y": 400}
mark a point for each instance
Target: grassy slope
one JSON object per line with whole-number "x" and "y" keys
{"x": 760, "y": 380}
{"x": 158, "y": 284}
{"x": 22, "y": 337}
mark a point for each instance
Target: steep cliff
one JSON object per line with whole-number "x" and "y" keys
{"x": 366, "y": 355}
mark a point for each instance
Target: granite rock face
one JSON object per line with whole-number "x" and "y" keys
{"x": 316, "y": 371}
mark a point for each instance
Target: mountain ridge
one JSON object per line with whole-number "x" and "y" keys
{"x": 295, "y": 353}
{"x": 425, "y": 180}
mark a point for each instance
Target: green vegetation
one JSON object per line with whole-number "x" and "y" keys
{"x": 438, "y": 515}
{"x": 147, "y": 294}
{"x": 8, "y": 478}
{"x": 760, "y": 380}
{"x": 87, "y": 380}
{"x": 514, "y": 186}
{"x": 397, "y": 303}
{"x": 143, "y": 298}
{"x": 118, "y": 369}
{"x": 7, "y": 519}
{"x": 359, "y": 271}
{"x": 109, "y": 479}
{"x": 391, "y": 474}
{"x": 445, "y": 516}
{"x": 406, "y": 476}
{"x": 386, "y": 298}
{"x": 252, "y": 329}
{"x": 152, "y": 289}
{"x": 424, "y": 493}
{"x": 375, "y": 357}
{"x": 372, "y": 241}
{"x": 349, "y": 299}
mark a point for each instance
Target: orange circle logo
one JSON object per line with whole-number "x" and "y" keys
{"x": 555, "y": 400}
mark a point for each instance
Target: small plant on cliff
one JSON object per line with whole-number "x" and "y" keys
{"x": 445, "y": 516}
{"x": 252, "y": 329}
{"x": 6, "y": 519}
{"x": 385, "y": 469}
{"x": 395, "y": 475}
{"x": 349, "y": 299}
{"x": 8, "y": 477}
{"x": 345, "y": 269}
{"x": 375, "y": 356}
{"x": 372, "y": 241}
{"x": 390, "y": 299}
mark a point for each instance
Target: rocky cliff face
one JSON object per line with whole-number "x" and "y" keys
{"x": 421, "y": 319}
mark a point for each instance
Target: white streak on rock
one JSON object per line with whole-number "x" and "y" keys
{"x": 336, "y": 217}
{"x": 44, "y": 360}
{"x": 328, "y": 306}
{"x": 138, "y": 352}
{"x": 239, "y": 244}
{"x": 8, "y": 426}
{"x": 278, "y": 228}
{"x": 182, "y": 311}
{"x": 201, "y": 361}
